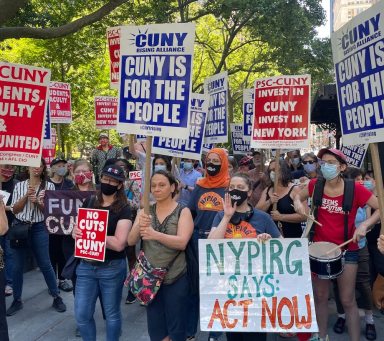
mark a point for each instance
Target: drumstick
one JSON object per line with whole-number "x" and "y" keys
{"x": 311, "y": 218}
{"x": 339, "y": 246}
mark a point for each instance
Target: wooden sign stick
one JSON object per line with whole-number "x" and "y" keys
{"x": 147, "y": 179}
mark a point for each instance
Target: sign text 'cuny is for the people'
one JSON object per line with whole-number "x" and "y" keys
{"x": 355, "y": 154}
{"x": 239, "y": 144}
{"x": 216, "y": 87}
{"x": 155, "y": 79}
{"x": 252, "y": 286}
{"x": 358, "y": 55}
{"x": 60, "y": 102}
{"x": 23, "y": 101}
{"x": 282, "y": 111}
{"x": 106, "y": 112}
{"x": 113, "y": 38}
{"x": 248, "y": 100}
{"x": 93, "y": 224}
{"x": 191, "y": 147}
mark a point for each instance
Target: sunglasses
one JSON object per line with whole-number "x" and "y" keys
{"x": 310, "y": 162}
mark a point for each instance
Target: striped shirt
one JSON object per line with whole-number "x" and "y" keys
{"x": 30, "y": 212}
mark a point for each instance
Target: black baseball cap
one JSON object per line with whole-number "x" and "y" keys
{"x": 57, "y": 160}
{"x": 115, "y": 172}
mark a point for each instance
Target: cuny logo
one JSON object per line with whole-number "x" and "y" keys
{"x": 361, "y": 31}
{"x": 145, "y": 39}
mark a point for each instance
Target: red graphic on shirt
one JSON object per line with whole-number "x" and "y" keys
{"x": 243, "y": 230}
{"x": 210, "y": 201}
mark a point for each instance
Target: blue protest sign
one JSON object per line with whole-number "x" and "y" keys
{"x": 216, "y": 87}
{"x": 239, "y": 144}
{"x": 155, "y": 79}
{"x": 47, "y": 124}
{"x": 190, "y": 148}
{"x": 355, "y": 154}
{"x": 207, "y": 147}
{"x": 248, "y": 99}
{"x": 359, "y": 63}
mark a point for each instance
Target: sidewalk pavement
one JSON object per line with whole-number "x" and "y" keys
{"x": 39, "y": 321}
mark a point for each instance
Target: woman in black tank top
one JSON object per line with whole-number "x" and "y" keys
{"x": 285, "y": 217}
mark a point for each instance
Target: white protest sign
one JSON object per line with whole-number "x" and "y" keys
{"x": 155, "y": 79}
{"x": 216, "y": 87}
{"x": 240, "y": 145}
{"x": 190, "y": 148}
{"x": 113, "y": 39}
{"x": 249, "y": 286}
{"x": 355, "y": 154}
{"x": 248, "y": 100}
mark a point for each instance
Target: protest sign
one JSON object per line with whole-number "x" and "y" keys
{"x": 47, "y": 124}
{"x": 155, "y": 79}
{"x": 282, "y": 111}
{"x": 113, "y": 38}
{"x": 355, "y": 154}
{"x": 239, "y": 145}
{"x": 190, "y": 148}
{"x": 248, "y": 100}
{"x": 93, "y": 224}
{"x": 136, "y": 176}
{"x": 359, "y": 63}
{"x": 216, "y": 87}
{"x": 23, "y": 102}
{"x": 5, "y": 196}
{"x": 252, "y": 286}
{"x": 106, "y": 112}
{"x": 140, "y": 138}
{"x": 60, "y": 209}
{"x": 60, "y": 102}
{"x": 207, "y": 147}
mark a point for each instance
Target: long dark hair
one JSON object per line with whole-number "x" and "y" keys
{"x": 172, "y": 180}
{"x": 285, "y": 172}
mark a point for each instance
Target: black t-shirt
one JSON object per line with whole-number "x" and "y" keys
{"x": 8, "y": 186}
{"x": 64, "y": 185}
{"x": 113, "y": 218}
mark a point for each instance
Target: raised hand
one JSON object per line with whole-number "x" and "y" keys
{"x": 229, "y": 210}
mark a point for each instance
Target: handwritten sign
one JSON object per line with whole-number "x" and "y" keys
{"x": 113, "y": 38}
{"x": 240, "y": 145}
{"x": 216, "y": 87}
{"x": 190, "y": 148}
{"x": 23, "y": 102}
{"x": 93, "y": 223}
{"x": 355, "y": 154}
{"x": 156, "y": 79}
{"x": 359, "y": 63}
{"x": 248, "y": 100}
{"x": 60, "y": 102}
{"x": 106, "y": 112}
{"x": 256, "y": 287}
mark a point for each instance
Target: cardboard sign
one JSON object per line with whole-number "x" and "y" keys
{"x": 355, "y": 154}
{"x": 359, "y": 64}
{"x": 113, "y": 38}
{"x": 23, "y": 102}
{"x": 248, "y": 100}
{"x": 282, "y": 112}
{"x": 240, "y": 145}
{"x": 249, "y": 286}
{"x": 156, "y": 79}
{"x": 216, "y": 87}
{"x": 136, "y": 176}
{"x": 60, "y": 210}
{"x": 190, "y": 148}
{"x": 94, "y": 224}
{"x": 106, "y": 112}
{"x": 60, "y": 102}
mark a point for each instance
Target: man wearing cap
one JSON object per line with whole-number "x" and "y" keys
{"x": 102, "y": 153}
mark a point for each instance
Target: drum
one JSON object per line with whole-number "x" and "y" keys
{"x": 325, "y": 266}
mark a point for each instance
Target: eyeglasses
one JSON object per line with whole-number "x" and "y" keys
{"x": 310, "y": 162}
{"x": 329, "y": 162}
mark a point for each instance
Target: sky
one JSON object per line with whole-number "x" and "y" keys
{"x": 324, "y": 31}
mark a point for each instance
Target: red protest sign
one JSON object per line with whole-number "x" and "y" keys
{"x": 23, "y": 101}
{"x": 60, "y": 102}
{"x": 93, "y": 223}
{"x": 113, "y": 37}
{"x": 281, "y": 112}
{"x": 106, "y": 112}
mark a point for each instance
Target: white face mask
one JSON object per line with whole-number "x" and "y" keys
{"x": 272, "y": 176}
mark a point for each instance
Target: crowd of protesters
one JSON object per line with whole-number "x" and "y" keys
{"x": 217, "y": 197}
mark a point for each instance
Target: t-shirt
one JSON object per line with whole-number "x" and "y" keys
{"x": 331, "y": 216}
{"x": 64, "y": 185}
{"x": 260, "y": 222}
{"x": 204, "y": 204}
{"x": 113, "y": 218}
{"x": 188, "y": 178}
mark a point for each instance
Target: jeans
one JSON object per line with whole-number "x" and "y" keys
{"x": 39, "y": 242}
{"x": 8, "y": 259}
{"x": 3, "y": 319}
{"x": 93, "y": 280}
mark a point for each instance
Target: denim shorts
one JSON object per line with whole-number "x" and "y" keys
{"x": 351, "y": 257}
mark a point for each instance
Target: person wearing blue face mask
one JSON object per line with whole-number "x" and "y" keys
{"x": 161, "y": 162}
{"x": 188, "y": 178}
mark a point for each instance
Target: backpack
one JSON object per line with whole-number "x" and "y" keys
{"x": 317, "y": 198}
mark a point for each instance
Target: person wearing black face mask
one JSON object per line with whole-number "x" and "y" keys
{"x": 240, "y": 220}
{"x": 105, "y": 278}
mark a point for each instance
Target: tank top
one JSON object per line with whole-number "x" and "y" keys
{"x": 160, "y": 255}
{"x": 284, "y": 206}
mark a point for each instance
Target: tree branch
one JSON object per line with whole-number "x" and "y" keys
{"x": 9, "y": 9}
{"x": 61, "y": 31}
